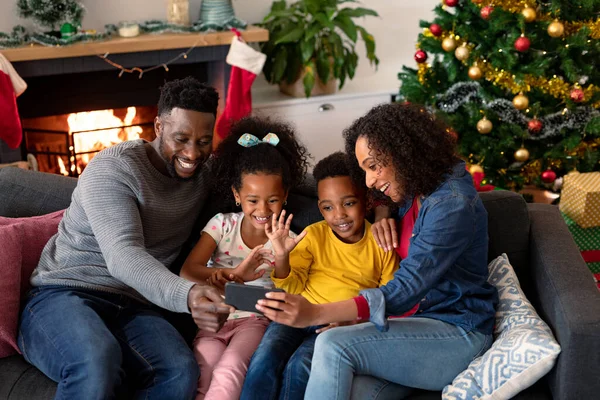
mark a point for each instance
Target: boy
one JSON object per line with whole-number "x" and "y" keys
{"x": 337, "y": 258}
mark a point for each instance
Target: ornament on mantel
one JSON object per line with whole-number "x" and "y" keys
{"x": 451, "y": 3}
{"x": 522, "y": 154}
{"x": 534, "y": 126}
{"x": 522, "y": 43}
{"x": 435, "y": 29}
{"x": 529, "y": 14}
{"x": 576, "y": 95}
{"x": 449, "y": 44}
{"x": 67, "y": 30}
{"x": 484, "y": 126}
{"x": 556, "y": 29}
{"x": 462, "y": 53}
{"x": 475, "y": 73}
{"x": 486, "y": 12}
{"x": 521, "y": 102}
{"x": 420, "y": 56}
{"x": 548, "y": 176}
{"x": 178, "y": 12}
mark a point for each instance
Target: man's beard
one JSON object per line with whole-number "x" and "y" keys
{"x": 171, "y": 170}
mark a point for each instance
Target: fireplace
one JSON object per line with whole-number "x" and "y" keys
{"x": 64, "y": 144}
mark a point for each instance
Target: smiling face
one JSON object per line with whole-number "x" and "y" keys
{"x": 184, "y": 141}
{"x": 260, "y": 196}
{"x": 378, "y": 176}
{"x": 343, "y": 207}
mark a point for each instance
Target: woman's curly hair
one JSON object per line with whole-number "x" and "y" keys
{"x": 288, "y": 158}
{"x": 410, "y": 139}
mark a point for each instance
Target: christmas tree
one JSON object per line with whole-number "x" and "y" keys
{"x": 51, "y": 13}
{"x": 518, "y": 82}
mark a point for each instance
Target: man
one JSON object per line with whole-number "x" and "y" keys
{"x": 91, "y": 323}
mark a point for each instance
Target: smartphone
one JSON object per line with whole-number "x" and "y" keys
{"x": 244, "y": 297}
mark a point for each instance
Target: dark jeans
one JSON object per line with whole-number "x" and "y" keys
{"x": 280, "y": 367}
{"x": 99, "y": 345}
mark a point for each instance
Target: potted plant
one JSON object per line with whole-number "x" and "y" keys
{"x": 311, "y": 45}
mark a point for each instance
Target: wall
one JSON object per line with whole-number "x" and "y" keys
{"x": 395, "y": 31}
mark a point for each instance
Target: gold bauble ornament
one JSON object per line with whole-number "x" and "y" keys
{"x": 521, "y": 101}
{"x": 529, "y": 14}
{"x": 484, "y": 126}
{"x": 522, "y": 154}
{"x": 475, "y": 73}
{"x": 475, "y": 168}
{"x": 462, "y": 52}
{"x": 556, "y": 29}
{"x": 449, "y": 44}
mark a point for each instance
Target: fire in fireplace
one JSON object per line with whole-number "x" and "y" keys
{"x": 66, "y": 143}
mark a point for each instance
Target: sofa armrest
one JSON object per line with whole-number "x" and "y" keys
{"x": 568, "y": 300}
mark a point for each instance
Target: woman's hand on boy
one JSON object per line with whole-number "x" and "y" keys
{"x": 288, "y": 309}
{"x": 246, "y": 270}
{"x": 337, "y": 324}
{"x": 278, "y": 232}
{"x": 385, "y": 233}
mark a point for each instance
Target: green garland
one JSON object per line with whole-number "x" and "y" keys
{"x": 19, "y": 36}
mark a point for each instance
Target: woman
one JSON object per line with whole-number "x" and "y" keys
{"x": 403, "y": 152}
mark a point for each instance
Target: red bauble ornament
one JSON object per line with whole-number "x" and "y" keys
{"x": 435, "y": 29}
{"x": 522, "y": 44}
{"x": 534, "y": 125}
{"x": 576, "y": 95}
{"x": 486, "y": 12}
{"x": 420, "y": 56}
{"x": 548, "y": 176}
{"x": 451, "y": 3}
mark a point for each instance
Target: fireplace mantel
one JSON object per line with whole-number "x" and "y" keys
{"x": 145, "y": 42}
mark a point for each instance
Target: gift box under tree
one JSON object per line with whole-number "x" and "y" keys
{"x": 588, "y": 241}
{"x": 580, "y": 198}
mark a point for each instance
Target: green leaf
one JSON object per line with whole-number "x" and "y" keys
{"x": 292, "y": 35}
{"x": 307, "y": 49}
{"x": 294, "y": 63}
{"x": 278, "y": 5}
{"x": 593, "y": 126}
{"x": 351, "y": 63}
{"x": 309, "y": 78}
{"x": 369, "y": 45}
{"x": 312, "y": 30}
{"x": 279, "y": 65}
{"x": 347, "y": 26}
{"x": 323, "y": 65}
{"x": 324, "y": 21}
{"x": 358, "y": 12}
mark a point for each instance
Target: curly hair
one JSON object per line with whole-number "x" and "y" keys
{"x": 411, "y": 140}
{"x": 189, "y": 94}
{"x": 288, "y": 158}
{"x": 333, "y": 165}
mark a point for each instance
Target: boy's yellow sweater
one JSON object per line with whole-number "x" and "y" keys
{"x": 323, "y": 269}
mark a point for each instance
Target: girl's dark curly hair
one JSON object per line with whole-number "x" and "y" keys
{"x": 288, "y": 159}
{"x": 408, "y": 138}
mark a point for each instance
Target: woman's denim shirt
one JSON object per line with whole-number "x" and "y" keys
{"x": 446, "y": 267}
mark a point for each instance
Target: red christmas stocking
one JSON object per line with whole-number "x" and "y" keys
{"x": 11, "y": 86}
{"x": 245, "y": 63}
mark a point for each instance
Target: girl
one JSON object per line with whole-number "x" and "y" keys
{"x": 258, "y": 163}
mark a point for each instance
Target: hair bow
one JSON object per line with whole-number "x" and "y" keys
{"x": 249, "y": 140}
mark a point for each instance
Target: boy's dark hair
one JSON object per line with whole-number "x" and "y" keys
{"x": 188, "y": 94}
{"x": 288, "y": 158}
{"x": 333, "y": 165}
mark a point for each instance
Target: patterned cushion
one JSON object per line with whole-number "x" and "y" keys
{"x": 523, "y": 352}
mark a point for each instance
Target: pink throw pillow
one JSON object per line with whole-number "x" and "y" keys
{"x": 23, "y": 240}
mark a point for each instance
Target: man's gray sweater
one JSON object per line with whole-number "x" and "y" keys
{"x": 126, "y": 223}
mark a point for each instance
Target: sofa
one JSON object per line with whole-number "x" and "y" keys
{"x": 552, "y": 274}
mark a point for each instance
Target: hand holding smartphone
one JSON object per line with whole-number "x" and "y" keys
{"x": 244, "y": 297}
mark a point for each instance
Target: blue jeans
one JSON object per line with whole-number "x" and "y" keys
{"x": 99, "y": 345}
{"x": 280, "y": 365}
{"x": 415, "y": 352}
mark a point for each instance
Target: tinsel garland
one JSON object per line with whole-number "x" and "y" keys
{"x": 571, "y": 28}
{"x": 19, "y": 36}
{"x": 555, "y": 86}
{"x": 552, "y": 124}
